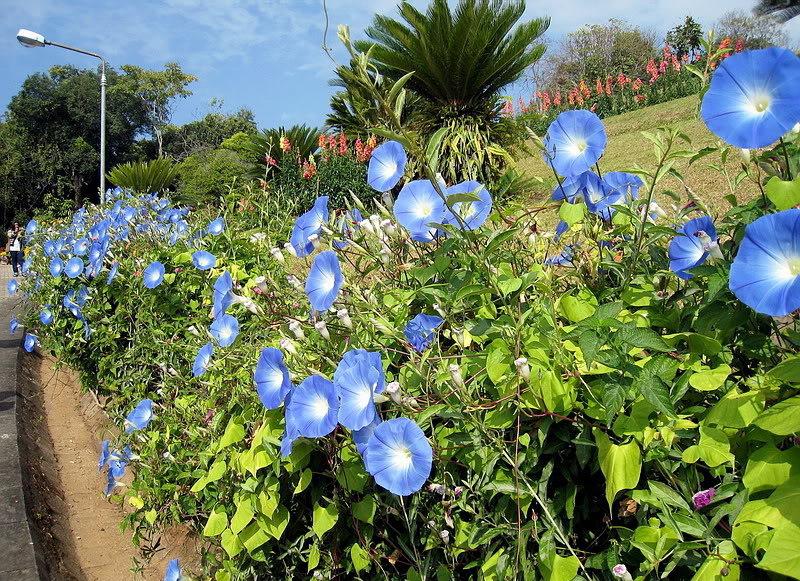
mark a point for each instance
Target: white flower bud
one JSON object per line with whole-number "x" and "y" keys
{"x": 389, "y": 228}
{"x": 376, "y": 221}
{"x": 193, "y": 330}
{"x": 367, "y": 226}
{"x": 381, "y": 326}
{"x": 439, "y": 310}
{"x": 393, "y": 391}
{"x": 388, "y": 202}
{"x": 455, "y": 373}
{"x": 445, "y": 536}
{"x": 295, "y": 282}
{"x": 621, "y": 572}
{"x": 277, "y": 254}
{"x": 323, "y": 330}
{"x": 344, "y": 317}
{"x": 523, "y": 368}
{"x": 290, "y": 249}
{"x": 258, "y": 237}
{"x": 295, "y": 328}
{"x": 288, "y": 346}
{"x": 744, "y": 154}
{"x": 385, "y": 255}
{"x": 314, "y": 239}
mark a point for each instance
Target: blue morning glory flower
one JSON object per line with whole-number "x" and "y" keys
{"x": 202, "y": 360}
{"x": 308, "y": 225}
{"x": 216, "y": 227}
{"x": 111, "y": 483}
{"x": 417, "y": 206}
{"x": 105, "y": 454}
{"x": 173, "y": 572}
{"x": 74, "y": 267}
{"x": 49, "y": 248}
{"x": 70, "y": 304}
{"x": 223, "y": 297}
{"x": 399, "y": 456}
{"x": 313, "y": 408}
{"x": 765, "y": 275}
{"x": 574, "y": 142}
{"x": 564, "y": 258}
{"x": 569, "y": 189}
{"x": 26, "y": 266}
{"x": 30, "y": 342}
{"x": 361, "y": 437}
{"x": 272, "y": 378}
{"x": 420, "y": 331}
{"x": 355, "y": 357}
{"x": 112, "y": 272}
{"x": 754, "y": 97}
{"x": 203, "y": 260}
{"x": 474, "y": 214}
{"x": 356, "y": 389}
{"x": 691, "y": 246}
{"x": 561, "y": 227}
{"x": 625, "y": 183}
{"x": 56, "y": 267}
{"x": 13, "y": 325}
{"x": 139, "y": 417}
{"x": 225, "y": 329}
{"x": 31, "y": 227}
{"x": 324, "y": 281}
{"x": 153, "y": 275}
{"x": 46, "y": 315}
{"x": 11, "y": 286}
{"x": 81, "y": 246}
{"x": 289, "y": 435}
{"x": 386, "y": 166}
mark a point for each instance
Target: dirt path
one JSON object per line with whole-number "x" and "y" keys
{"x": 77, "y": 527}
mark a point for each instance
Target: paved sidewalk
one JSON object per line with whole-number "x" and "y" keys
{"x": 18, "y": 562}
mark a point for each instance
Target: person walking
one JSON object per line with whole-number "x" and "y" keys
{"x": 15, "y": 247}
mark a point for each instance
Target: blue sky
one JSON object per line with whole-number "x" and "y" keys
{"x": 261, "y": 54}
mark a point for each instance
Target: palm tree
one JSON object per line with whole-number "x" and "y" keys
{"x": 461, "y": 58}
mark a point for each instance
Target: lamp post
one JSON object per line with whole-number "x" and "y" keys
{"x": 30, "y": 39}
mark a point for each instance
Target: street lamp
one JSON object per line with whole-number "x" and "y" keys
{"x": 30, "y": 39}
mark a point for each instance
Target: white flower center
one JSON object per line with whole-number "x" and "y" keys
{"x": 759, "y": 103}
{"x": 424, "y": 209}
{"x": 276, "y": 377}
{"x": 364, "y": 397}
{"x": 577, "y": 146}
{"x": 328, "y": 282}
{"x": 401, "y": 458}
{"x": 320, "y": 407}
{"x": 793, "y": 267}
{"x": 225, "y": 333}
{"x": 389, "y": 169}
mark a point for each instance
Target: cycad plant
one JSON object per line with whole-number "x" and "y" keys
{"x": 461, "y": 58}
{"x": 144, "y": 176}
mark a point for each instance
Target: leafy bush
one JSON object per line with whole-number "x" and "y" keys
{"x": 209, "y": 175}
{"x": 600, "y": 402}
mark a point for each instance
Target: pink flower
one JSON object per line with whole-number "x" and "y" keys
{"x": 703, "y": 498}
{"x": 620, "y": 571}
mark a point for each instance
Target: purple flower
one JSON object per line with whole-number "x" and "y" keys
{"x": 703, "y": 498}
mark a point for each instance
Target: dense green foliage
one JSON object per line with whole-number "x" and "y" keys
{"x": 144, "y": 177}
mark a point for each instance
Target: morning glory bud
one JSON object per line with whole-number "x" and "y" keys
{"x": 381, "y": 326}
{"x": 455, "y": 374}
{"x": 388, "y": 202}
{"x": 248, "y": 303}
{"x": 290, "y": 249}
{"x": 389, "y": 228}
{"x": 258, "y": 237}
{"x": 288, "y": 346}
{"x": 277, "y": 254}
{"x": 367, "y": 226}
{"x": 439, "y": 310}
{"x": 393, "y": 391}
{"x": 523, "y": 368}
{"x": 709, "y": 245}
{"x": 193, "y": 330}
{"x": 744, "y": 153}
{"x": 620, "y": 571}
{"x": 445, "y": 536}
{"x": 344, "y": 317}
{"x": 295, "y": 282}
{"x": 314, "y": 239}
{"x": 376, "y": 221}
{"x": 295, "y": 328}
{"x": 385, "y": 255}
{"x": 323, "y": 330}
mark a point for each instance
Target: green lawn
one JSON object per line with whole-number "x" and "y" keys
{"x": 627, "y": 148}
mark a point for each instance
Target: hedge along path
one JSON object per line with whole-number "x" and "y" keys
{"x": 78, "y": 527}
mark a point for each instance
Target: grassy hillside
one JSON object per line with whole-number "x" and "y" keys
{"x": 627, "y": 148}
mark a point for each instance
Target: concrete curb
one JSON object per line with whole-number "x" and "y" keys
{"x": 19, "y": 556}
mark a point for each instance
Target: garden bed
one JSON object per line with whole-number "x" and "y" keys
{"x": 75, "y": 527}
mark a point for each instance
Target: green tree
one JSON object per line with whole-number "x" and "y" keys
{"x": 755, "y": 31}
{"x": 158, "y": 91}
{"x": 49, "y": 141}
{"x": 686, "y": 38}
{"x": 180, "y": 141}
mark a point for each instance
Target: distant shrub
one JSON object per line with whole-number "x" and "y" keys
{"x": 208, "y": 175}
